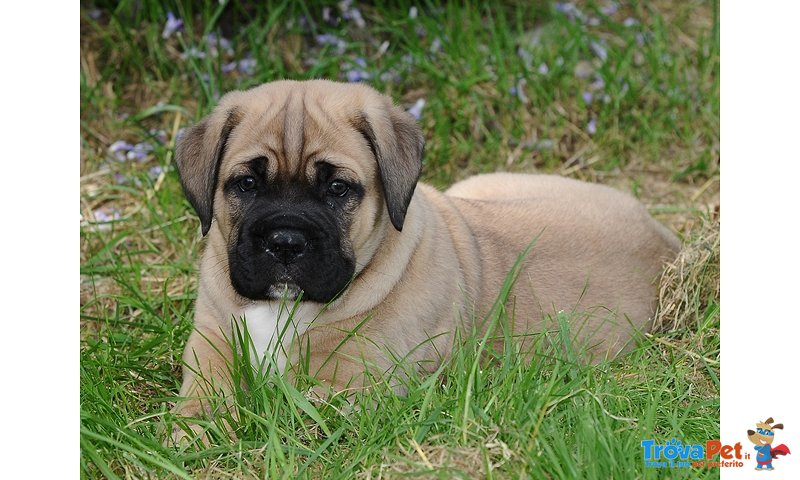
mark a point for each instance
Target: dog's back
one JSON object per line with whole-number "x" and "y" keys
{"x": 597, "y": 252}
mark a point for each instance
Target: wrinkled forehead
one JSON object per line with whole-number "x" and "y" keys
{"x": 294, "y": 127}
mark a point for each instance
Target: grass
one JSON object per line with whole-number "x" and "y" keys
{"x": 651, "y": 128}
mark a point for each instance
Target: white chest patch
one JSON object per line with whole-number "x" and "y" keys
{"x": 272, "y": 327}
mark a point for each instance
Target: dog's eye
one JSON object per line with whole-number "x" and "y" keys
{"x": 338, "y": 188}
{"x": 247, "y": 183}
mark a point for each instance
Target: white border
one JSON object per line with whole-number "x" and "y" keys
{"x": 760, "y": 244}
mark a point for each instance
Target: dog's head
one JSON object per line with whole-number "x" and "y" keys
{"x": 764, "y": 433}
{"x": 301, "y": 179}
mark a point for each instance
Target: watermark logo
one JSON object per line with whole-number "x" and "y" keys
{"x": 715, "y": 454}
{"x": 674, "y": 454}
{"x": 763, "y": 437}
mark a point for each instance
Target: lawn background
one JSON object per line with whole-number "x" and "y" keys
{"x": 651, "y": 128}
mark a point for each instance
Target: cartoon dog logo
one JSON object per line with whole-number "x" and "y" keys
{"x": 763, "y": 438}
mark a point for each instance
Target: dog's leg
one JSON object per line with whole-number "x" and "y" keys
{"x": 206, "y": 377}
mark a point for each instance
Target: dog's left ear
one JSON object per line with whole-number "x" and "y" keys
{"x": 397, "y": 143}
{"x": 198, "y": 156}
{"x": 779, "y": 426}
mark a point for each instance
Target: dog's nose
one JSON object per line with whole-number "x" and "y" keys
{"x": 750, "y": 432}
{"x": 286, "y": 244}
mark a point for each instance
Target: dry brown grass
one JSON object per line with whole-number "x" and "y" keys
{"x": 692, "y": 281}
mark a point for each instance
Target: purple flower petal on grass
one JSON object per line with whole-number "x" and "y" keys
{"x": 609, "y": 9}
{"x": 591, "y": 127}
{"x": 629, "y": 22}
{"x": 587, "y": 97}
{"x": 119, "y": 149}
{"x": 599, "y": 50}
{"x": 154, "y": 172}
{"x": 106, "y": 215}
{"x": 354, "y": 14}
{"x": 159, "y": 134}
{"x": 247, "y": 66}
{"x": 95, "y": 13}
{"x": 140, "y": 152}
{"x": 412, "y": 13}
{"x": 333, "y": 40}
{"x": 229, "y": 67}
{"x": 543, "y": 69}
{"x": 416, "y": 109}
{"x": 598, "y": 84}
{"x": 217, "y": 45}
{"x": 173, "y": 25}
{"x": 569, "y": 9}
{"x": 354, "y": 76}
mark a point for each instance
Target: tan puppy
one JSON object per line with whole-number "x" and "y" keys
{"x": 310, "y": 188}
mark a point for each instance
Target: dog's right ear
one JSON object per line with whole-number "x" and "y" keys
{"x": 198, "y": 156}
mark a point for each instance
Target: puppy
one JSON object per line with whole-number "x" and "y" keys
{"x": 307, "y": 193}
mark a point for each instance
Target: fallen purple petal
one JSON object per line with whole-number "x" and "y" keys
{"x": 217, "y": 45}
{"x": 229, "y": 67}
{"x": 354, "y": 76}
{"x": 412, "y": 13}
{"x": 543, "y": 69}
{"x": 354, "y": 14}
{"x": 140, "y": 152}
{"x": 593, "y": 21}
{"x": 120, "y": 179}
{"x": 609, "y": 9}
{"x": 247, "y": 66}
{"x": 179, "y": 133}
{"x": 95, "y": 13}
{"x": 154, "y": 172}
{"x": 598, "y": 84}
{"x": 119, "y": 150}
{"x": 569, "y": 9}
{"x": 591, "y": 127}
{"x": 629, "y": 22}
{"x": 599, "y": 50}
{"x": 333, "y": 40}
{"x": 173, "y": 25}
{"x": 106, "y": 215}
{"x": 119, "y": 145}
{"x": 159, "y": 134}
{"x": 416, "y": 109}
{"x": 587, "y": 97}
